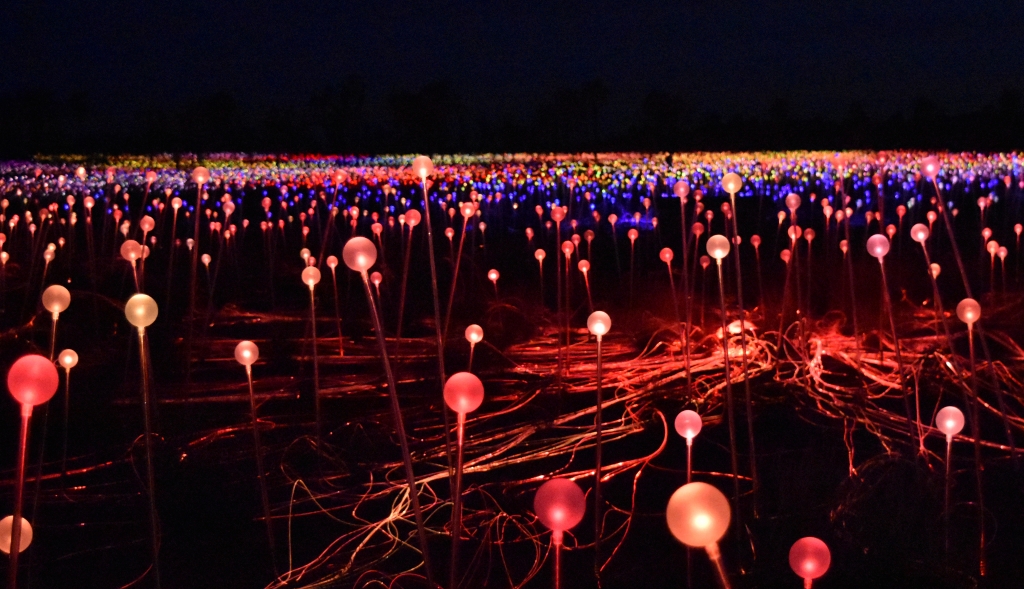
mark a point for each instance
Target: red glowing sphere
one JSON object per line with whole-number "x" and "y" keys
{"x": 32, "y": 380}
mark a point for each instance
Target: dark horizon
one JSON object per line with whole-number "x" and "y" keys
{"x": 461, "y": 77}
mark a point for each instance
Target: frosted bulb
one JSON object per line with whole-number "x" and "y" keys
{"x": 56, "y": 298}
{"x": 200, "y": 175}
{"x": 567, "y": 248}
{"x": 304, "y": 253}
{"x": 890, "y": 230}
{"x": 68, "y": 359}
{"x": 359, "y": 254}
{"x": 718, "y": 247}
{"x": 474, "y": 334}
{"x": 176, "y": 203}
{"x": 934, "y": 269}
{"x": 48, "y": 255}
{"x": 1018, "y": 228}
{"x": 540, "y": 255}
{"x": 557, "y": 214}
{"x": 698, "y": 515}
{"x": 246, "y": 353}
{"x": 681, "y": 189}
{"x": 32, "y": 380}
{"x": 785, "y": 256}
{"x": 794, "y": 232}
{"x": 809, "y": 558}
{"x": 412, "y": 217}
{"x": 206, "y": 258}
{"x": 463, "y": 392}
{"x": 878, "y": 245}
{"x": 141, "y": 310}
{"x": 599, "y": 323}
{"x": 1002, "y": 252}
{"x": 688, "y": 424}
{"x": 931, "y": 216}
{"x": 992, "y": 247}
{"x": 986, "y": 233}
{"x": 311, "y": 276}
{"x": 930, "y": 167}
{"x": 332, "y": 262}
{"x": 376, "y": 228}
{"x": 792, "y": 202}
{"x": 968, "y": 311}
{"x": 666, "y": 255}
{"x": 809, "y": 235}
{"x": 732, "y": 183}
{"x": 588, "y": 235}
{"x": 493, "y": 275}
{"x": 422, "y": 167}
{"x": 705, "y": 262}
{"x": 633, "y": 234}
{"x": 449, "y": 233}
{"x": 584, "y": 266}
{"x": 147, "y": 224}
{"x": 376, "y": 278}
{"x": 755, "y": 240}
{"x": 613, "y": 218}
{"x": 131, "y": 250}
{"x": 559, "y": 505}
{"x": 697, "y": 229}
{"x": 950, "y": 421}
{"x": 781, "y": 216}
{"x": 6, "y": 527}
{"x": 919, "y": 233}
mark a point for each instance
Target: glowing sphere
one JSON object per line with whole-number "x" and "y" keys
{"x": 332, "y": 262}
{"x": 200, "y": 175}
{"x": 131, "y": 250}
{"x": 413, "y": 217}
{"x": 463, "y": 392}
{"x": 1018, "y": 228}
{"x": 732, "y": 183}
{"x": 698, "y": 514}
{"x": 359, "y": 254}
{"x": 599, "y": 323}
{"x": 968, "y": 311}
{"x": 688, "y": 424}
{"x": 6, "y": 527}
{"x": 493, "y": 275}
{"x": 246, "y": 353}
{"x": 949, "y": 420}
{"x": 310, "y": 276}
{"x": 422, "y": 167}
{"x": 705, "y": 262}
{"x": 755, "y": 240}
{"x": 681, "y": 189}
{"x": 540, "y": 255}
{"x": 206, "y": 258}
{"x": 376, "y": 278}
{"x": 809, "y": 558}
{"x": 934, "y": 269}
{"x": 32, "y": 380}
{"x": 147, "y": 223}
{"x": 718, "y": 246}
{"x": 666, "y": 255}
{"x": 878, "y": 245}
{"x": 559, "y": 504}
{"x": 919, "y": 233}
{"x": 992, "y": 247}
{"x": 567, "y": 248}
{"x": 557, "y": 214}
{"x": 68, "y": 359}
{"x": 141, "y": 310}
{"x": 56, "y": 298}
{"x": 584, "y": 266}
{"x": 474, "y": 334}
{"x": 792, "y": 202}
{"x": 930, "y": 167}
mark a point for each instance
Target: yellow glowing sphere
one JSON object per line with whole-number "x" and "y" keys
{"x": 698, "y": 515}
{"x": 141, "y": 310}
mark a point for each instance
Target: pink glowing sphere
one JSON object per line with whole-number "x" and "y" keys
{"x": 376, "y": 278}
{"x": 697, "y": 229}
{"x": 557, "y": 214}
{"x": 705, "y": 262}
{"x": 718, "y": 247}
{"x": 200, "y": 175}
{"x": 206, "y": 258}
{"x": 919, "y": 233}
{"x": 992, "y": 247}
{"x": 755, "y": 240}
{"x": 681, "y": 189}
{"x": 688, "y": 424}
{"x": 413, "y": 217}
{"x": 588, "y": 235}
{"x": 68, "y": 359}
{"x": 32, "y": 380}
{"x": 584, "y": 266}
{"x": 567, "y": 248}
{"x": 359, "y": 254}
{"x": 131, "y": 250}
{"x": 794, "y": 232}
{"x": 930, "y": 167}
{"x": 878, "y": 245}
{"x": 540, "y": 255}
{"x": 141, "y": 310}
{"x": 463, "y": 392}
{"x": 474, "y": 334}
{"x": 493, "y": 275}
{"x": 6, "y": 527}
{"x": 246, "y": 353}
{"x": 310, "y": 276}
{"x": 147, "y": 224}
{"x": 698, "y": 515}
{"x": 332, "y": 262}
{"x": 792, "y": 201}
{"x": 1002, "y": 252}
{"x": 934, "y": 269}
{"x": 732, "y": 183}
{"x": 950, "y": 421}
{"x": 377, "y": 228}
{"x": 809, "y": 234}
{"x": 559, "y": 504}
{"x": 599, "y": 323}
{"x": 1018, "y": 228}
{"x": 968, "y": 311}
{"x": 56, "y": 298}
{"x": 666, "y": 255}
{"x": 449, "y": 233}
{"x": 809, "y": 558}
{"x": 422, "y": 167}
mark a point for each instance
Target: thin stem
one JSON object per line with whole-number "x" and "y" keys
{"x": 716, "y": 558}
{"x": 151, "y": 486}
{"x": 976, "y": 431}
{"x": 729, "y": 401}
{"x": 26, "y": 414}
{"x": 264, "y": 498}
{"x": 899, "y": 360}
{"x": 316, "y": 369}
{"x": 457, "y": 503}
{"x": 597, "y": 468}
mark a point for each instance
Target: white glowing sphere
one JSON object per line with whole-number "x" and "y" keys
{"x": 732, "y": 183}
{"x": 919, "y": 233}
{"x": 246, "y": 353}
{"x": 422, "y": 167}
{"x": 688, "y": 424}
{"x": 141, "y": 310}
{"x": 56, "y": 298}
{"x": 68, "y": 359}
{"x": 474, "y": 334}
{"x": 311, "y": 276}
{"x": 950, "y": 421}
{"x": 599, "y": 323}
{"x": 359, "y": 254}
{"x": 878, "y": 245}
{"x": 718, "y": 247}
{"x": 968, "y": 311}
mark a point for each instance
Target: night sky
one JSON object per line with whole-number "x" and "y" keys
{"x": 120, "y": 64}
